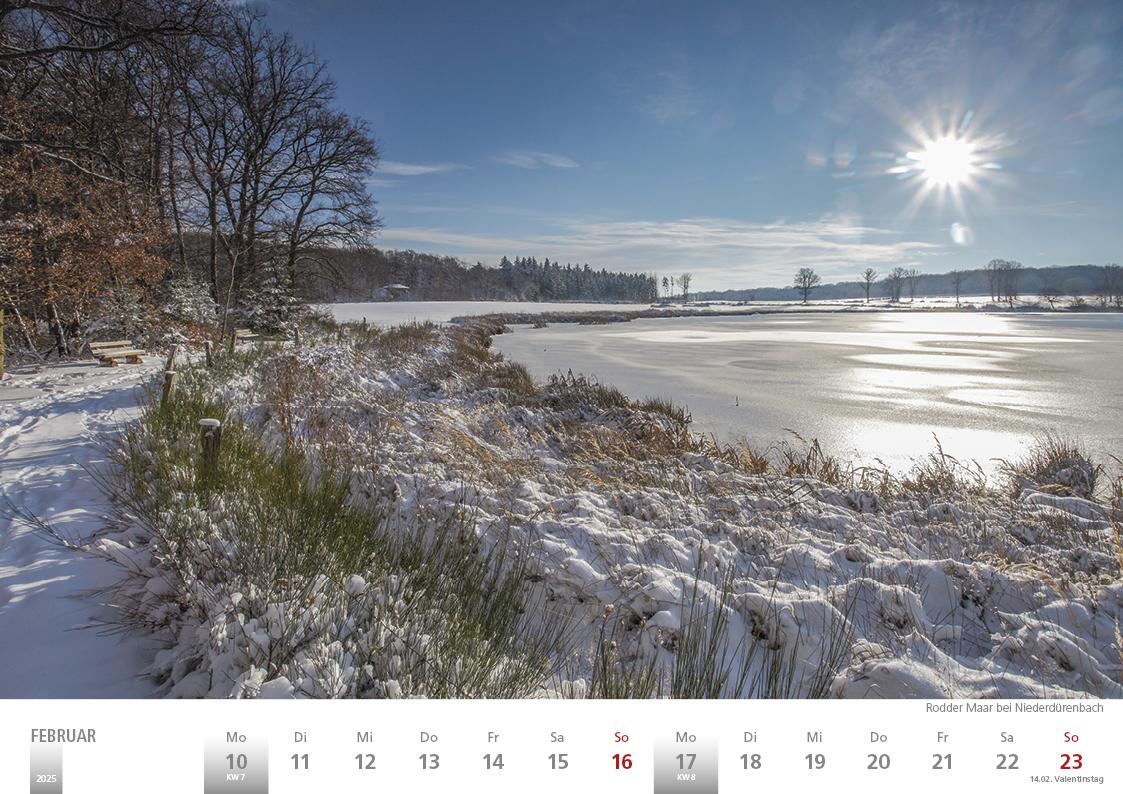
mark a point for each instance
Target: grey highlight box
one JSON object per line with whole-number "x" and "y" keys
{"x": 685, "y": 763}
{"x": 46, "y": 769}
{"x": 234, "y": 763}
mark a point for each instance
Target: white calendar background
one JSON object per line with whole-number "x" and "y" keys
{"x": 553, "y": 746}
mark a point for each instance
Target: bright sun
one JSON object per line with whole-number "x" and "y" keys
{"x": 949, "y": 163}
{"x": 946, "y": 162}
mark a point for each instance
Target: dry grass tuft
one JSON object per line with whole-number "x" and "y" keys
{"x": 743, "y": 457}
{"x": 580, "y": 393}
{"x": 587, "y": 396}
{"x": 942, "y": 475}
{"x": 511, "y": 377}
{"x": 396, "y": 341}
{"x": 1056, "y": 465}
{"x": 810, "y": 461}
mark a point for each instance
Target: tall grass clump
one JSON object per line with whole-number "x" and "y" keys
{"x": 570, "y": 392}
{"x": 1057, "y": 465}
{"x": 1116, "y": 489}
{"x": 809, "y": 460}
{"x": 397, "y": 340}
{"x": 512, "y": 378}
{"x": 941, "y": 475}
{"x": 264, "y": 576}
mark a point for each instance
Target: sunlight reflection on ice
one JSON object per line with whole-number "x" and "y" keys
{"x": 930, "y": 361}
{"x": 877, "y": 384}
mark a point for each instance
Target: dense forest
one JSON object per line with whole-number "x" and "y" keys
{"x": 366, "y": 273}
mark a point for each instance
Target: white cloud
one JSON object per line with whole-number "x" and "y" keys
{"x": 535, "y": 160}
{"x": 416, "y": 169}
{"x": 722, "y": 253}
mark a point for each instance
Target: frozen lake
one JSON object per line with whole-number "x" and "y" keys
{"x": 868, "y": 386}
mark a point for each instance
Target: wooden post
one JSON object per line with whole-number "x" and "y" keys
{"x": 210, "y": 440}
{"x": 233, "y": 336}
{"x": 170, "y": 365}
{"x": 168, "y": 394}
{"x": 208, "y": 346}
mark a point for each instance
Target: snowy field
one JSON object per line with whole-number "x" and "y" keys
{"x": 868, "y": 386}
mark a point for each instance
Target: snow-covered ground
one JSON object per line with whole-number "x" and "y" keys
{"x": 50, "y": 643}
{"x": 904, "y": 593}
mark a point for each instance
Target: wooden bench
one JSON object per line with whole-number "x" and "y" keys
{"x": 246, "y": 335}
{"x": 107, "y": 353}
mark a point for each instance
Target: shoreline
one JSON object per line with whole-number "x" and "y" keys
{"x": 609, "y": 316}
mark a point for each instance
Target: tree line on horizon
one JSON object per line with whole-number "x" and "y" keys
{"x": 1002, "y": 280}
{"x": 368, "y": 273}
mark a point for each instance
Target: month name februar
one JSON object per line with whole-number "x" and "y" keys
{"x": 63, "y": 735}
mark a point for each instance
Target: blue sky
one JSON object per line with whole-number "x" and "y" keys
{"x": 739, "y": 141}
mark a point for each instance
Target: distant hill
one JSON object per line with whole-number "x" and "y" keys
{"x": 1069, "y": 280}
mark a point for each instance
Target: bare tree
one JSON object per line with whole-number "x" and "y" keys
{"x": 1007, "y": 275}
{"x": 895, "y": 284}
{"x": 957, "y": 278}
{"x": 82, "y": 133}
{"x": 684, "y": 282}
{"x": 805, "y": 281}
{"x": 912, "y": 278}
{"x": 992, "y": 270}
{"x": 1003, "y": 276}
{"x": 327, "y": 199}
{"x": 88, "y": 27}
{"x": 86, "y": 66}
{"x": 277, "y": 172}
{"x": 869, "y": 276}
{"x": 1111, "y": 290}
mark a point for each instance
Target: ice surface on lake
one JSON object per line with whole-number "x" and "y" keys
{"x": 867, "y": 385}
